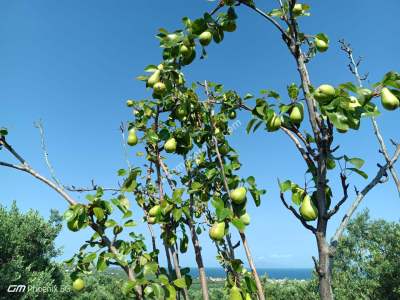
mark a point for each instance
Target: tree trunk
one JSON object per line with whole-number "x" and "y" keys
{"x": 260, "y": 289}
{"x": 199, "y": 261}
{"x": 324, "y": 269}
{"x": 178, "y": 270}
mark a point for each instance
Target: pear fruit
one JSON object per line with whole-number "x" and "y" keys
{"x": 324, "y": 94}
{"x": 296, "y": 114}
{"x": 229, "y": 26}
{"x": 130, "y": 103}
{"x": 159, "y": 88}
{"x": 238, "y": 195}
{"x": 297, "y": 9}
{"x": 170, "y": 145}
{"x": 132, "y": 137}
{"x": 181, "y": 112}
{"x": 321, "y": 45}
{"x": 235, "y": 293}
{"x": 151, "y": 220}
{"x": 389, "y": 100}
{"x": 205, "y": 38}
{"x": 155, "y": 210}
{"x": 217, "y": 231}
{"x": 224, "y": 149}
{"x": 78, "y": 284}
{"x": 274, "y": 123}
{"x": 245, "y": 218}
{"x": 154, "y": 78}
{"x": 185, "y": 51}
{"x": 308, "y": 210}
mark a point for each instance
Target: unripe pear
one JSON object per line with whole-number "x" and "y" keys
{"x": 181, "y": 112}
{"x": 297, "y": 9}
{"x": 321, "y": 45}
{"x": 78, "y": 284}
{"x": 274, "y": 123}
{"x": 154, "y": 78}
{"x": 132, "y": 137}
{"x": 238, "y": 195}
{"x": 235, "y": 293}
{"x": 151, "y": 220}
{"x": 170, "y": 145}
{"x": 308, "y": 210}
{"x": 205, "y": 38}
{"x": 159, "y": 88}
{"x": 154, "y": 211}
{"x": 229, "y": 26}
{"x": 324, "y": 93}
{"x": 296, "y": 114}
{"x": 389, "y": 100}
{"x": 245, "y": 218}
{"x": 217, "y": 231}
{"x": 224, "y": 149}
{"x": 185, "y": 51}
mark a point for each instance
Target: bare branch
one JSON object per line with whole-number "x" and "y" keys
{"x": 375, "y": 181}
{"x": 345, "y": 187}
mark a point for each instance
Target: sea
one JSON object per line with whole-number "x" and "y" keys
{"x": 272, "y": 273}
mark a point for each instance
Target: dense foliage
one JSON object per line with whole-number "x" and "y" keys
{"x": 27, "y": 251}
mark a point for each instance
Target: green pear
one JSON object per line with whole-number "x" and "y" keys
{"x": 217, "y": 231}
{"x": 151, "y": 220}
{"x": 248, "y": 296}
{"x": 170, "y": 145}
{"x": 245, "y": 218}
{"x": 78, "y": 284}
{"x": 229, "y": 26}
{"x": 224, "y": 149}
{"x": 235, "y": 293}
{"x": 159, "y": 88}
{"x": 238, "y": 195}
{"x": 274, "y": 123}
{"x": 296, "y": 114}
{"x": 154, "y": 78}
{"x": 132, "y": 137}
{"x": 297, "y": 9}
{"x": 130, "y": 103}
{"x": 181, "y": 112}
{"x": 389, "y": 100}
{"x": 205, "y": 38}
{"x": 308, "y": 210}
{"x": 155, "y": 211}
{"x": 185, "y": 51}
{"x": 321, "y": 45}
{"x": 324, "y": 94}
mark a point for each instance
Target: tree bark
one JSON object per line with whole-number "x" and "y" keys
{"x": 324, "y": 268}
{"x": 178, "y": 270}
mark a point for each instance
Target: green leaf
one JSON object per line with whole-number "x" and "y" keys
{"x": 180, "y": 283}
{"x": 122, "y": 172}
{"x": 110, "y": 223}
{"x": 238, "y": 224}
{"x": 99, "y": 213}
{"x": 89, "y": 257}
{"x": 355, "y": 161}
{"x": 130, "y": 223}
{"x": 359, "y": 172}
{"x": 284, "y": 186}
{"x": 101, "y": 263}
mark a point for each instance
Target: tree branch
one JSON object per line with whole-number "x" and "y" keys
{"x": 345, "y": 188}
{"x": 375, "y": 181}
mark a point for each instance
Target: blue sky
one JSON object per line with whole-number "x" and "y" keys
{"x": 73, "y": 64}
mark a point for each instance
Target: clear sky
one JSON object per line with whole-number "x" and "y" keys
{"x": 73, "y": 63}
